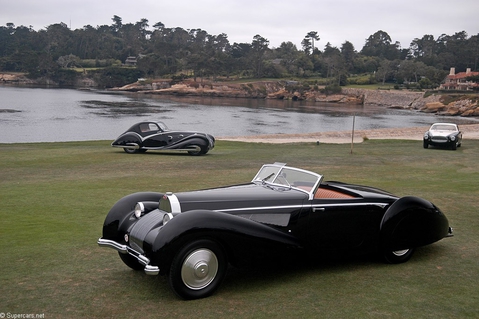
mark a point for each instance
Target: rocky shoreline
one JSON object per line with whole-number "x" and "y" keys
{"x": 461, "y": 105}
{"x": 464, "y": 105}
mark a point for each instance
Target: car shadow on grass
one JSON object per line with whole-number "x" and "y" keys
{"x": 296, "y": 275}
{"x": 278, "y": 276}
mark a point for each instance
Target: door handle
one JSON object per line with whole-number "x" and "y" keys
{"x": 318, "y": 209}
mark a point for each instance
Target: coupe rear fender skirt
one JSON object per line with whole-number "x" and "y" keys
{"x": 119, "y": 217}
{"x": 131, "y": 140}
{"x": 237, "y": 235}
{"x": 412, "y": 222}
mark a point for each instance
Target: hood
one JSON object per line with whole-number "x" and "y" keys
{"x": 245, "y": 196}
{"x": 441, "y": 133}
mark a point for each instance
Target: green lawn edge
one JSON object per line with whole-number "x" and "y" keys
{"x": 55, "y": 196}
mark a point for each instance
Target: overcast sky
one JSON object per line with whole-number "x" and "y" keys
{"x": 336, "y": 21}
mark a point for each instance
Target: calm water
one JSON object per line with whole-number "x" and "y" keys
{"x": 57, "y": 115}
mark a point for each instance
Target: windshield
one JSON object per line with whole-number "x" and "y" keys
{"x": 282, "y": 175}
{"x": 443, "y": 127}
{"x": 163, "y": 126}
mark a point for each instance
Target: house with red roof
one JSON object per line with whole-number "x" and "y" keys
{"x": 459, "y": 81}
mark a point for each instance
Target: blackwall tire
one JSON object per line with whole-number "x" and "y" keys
{"x": 197, "y": 153}
{"x": 398, "y": 256}
{"x": 130, "y": 150}
{"x": 198, "y": 269}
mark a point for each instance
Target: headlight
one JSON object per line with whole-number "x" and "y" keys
{"x": 426, "y": 135}
{"x": 166, "y": 218}
{"x": 139, "y": 209}
{"x": 453, "y": 138}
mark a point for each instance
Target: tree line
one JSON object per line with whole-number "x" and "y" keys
{"x": 54, "y": 51}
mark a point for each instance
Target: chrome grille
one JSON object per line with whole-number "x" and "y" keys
{"x": 439, "y": 139}
{"x": 142, "y": 227}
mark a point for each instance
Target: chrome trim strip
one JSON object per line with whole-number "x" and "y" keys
{"x": 170, "y": 137}
{"x": 382, "y": 205}
{"x": 124, "y": 249}
{"x": 258, "y": 208}
{"x": 165, "y": 148}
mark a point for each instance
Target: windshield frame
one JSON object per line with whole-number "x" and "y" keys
{"x": 448, "y": 127}
{"x": 162, "y": 126}
{"x": 280, "y": 175}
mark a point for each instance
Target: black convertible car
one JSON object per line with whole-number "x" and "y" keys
{"x": 156, "y": 136}
{"x": 284, "y": 211}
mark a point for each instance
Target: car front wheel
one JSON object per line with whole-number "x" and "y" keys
{"x": 398, "y": 256}
{"x": 197, "y": 150}
{"x": 131, "y": 261}
{"x": 198, "y": 269}
{"x": 425, "y": 144}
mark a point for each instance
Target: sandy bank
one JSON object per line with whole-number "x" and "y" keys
{"x": 470, "y": 131}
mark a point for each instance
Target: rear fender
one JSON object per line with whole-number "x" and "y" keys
{"x": 411, "y": 222}
{"x": 118, "y": 219}
{"x": 240, "y": 237}
{"x": 133, "y": 140}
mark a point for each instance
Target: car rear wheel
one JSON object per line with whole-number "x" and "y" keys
{"x": 398, "y": 256}
{"x": 198, "y": 269}
{"x": 130, "y": 150}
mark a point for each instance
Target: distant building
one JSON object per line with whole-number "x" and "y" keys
{"x": 131, "y": 60}
{"x": 458, "y": 81}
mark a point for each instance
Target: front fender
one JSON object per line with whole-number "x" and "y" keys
{"x": 117, "y": 220}
{"x": 412, "y": 222}
{"x": 240, "y": 237}
{"x": 193, "y": 140}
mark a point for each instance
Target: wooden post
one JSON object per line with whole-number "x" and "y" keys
{"x": 352, "y": 134}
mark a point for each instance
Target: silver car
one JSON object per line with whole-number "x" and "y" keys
{"x": 445, "y": 135}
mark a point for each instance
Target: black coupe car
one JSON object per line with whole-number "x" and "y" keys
{"x": 284, "y": 211}
{"x": 156, "y": 136}
{"x": 445, "y": 135}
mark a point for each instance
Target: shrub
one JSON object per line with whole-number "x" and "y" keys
{"x": 115, "y": 76}
{"x": 331, "y": 89}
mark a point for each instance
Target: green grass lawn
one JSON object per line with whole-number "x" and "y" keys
{"x": 55, "y": 196}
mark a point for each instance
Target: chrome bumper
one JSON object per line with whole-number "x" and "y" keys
{"x": 124, "y": 249}
{"x": 450, "y": 232}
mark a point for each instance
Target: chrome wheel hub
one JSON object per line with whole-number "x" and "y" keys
{"x": 400, "y": 253}
{"x": 199, "y": 269}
